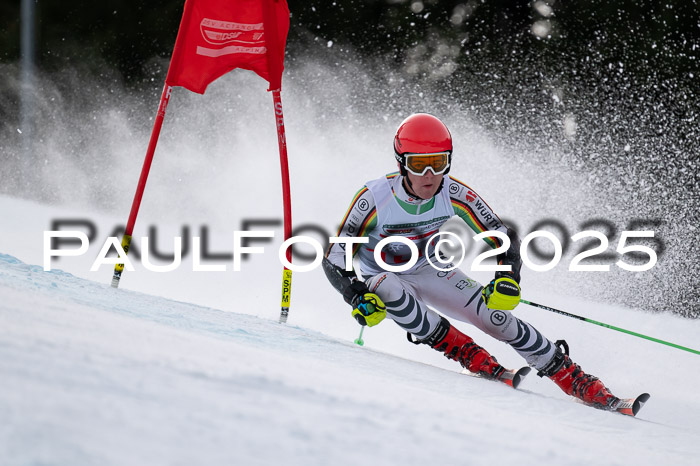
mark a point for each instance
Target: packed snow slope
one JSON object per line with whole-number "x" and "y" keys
{"x": 94, "y": 375}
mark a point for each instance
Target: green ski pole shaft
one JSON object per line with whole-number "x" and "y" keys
{"x": 359, "y": 339}
{"x": 612, "y": 327}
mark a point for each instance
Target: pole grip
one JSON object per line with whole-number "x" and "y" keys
{"x": 286, "y": 294}
{"x": 119, "y": 267}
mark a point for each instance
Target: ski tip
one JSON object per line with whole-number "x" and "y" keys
{"x": 510, "y": 377}
{"x": 639, "y": 402}
{"x": 519, "y": 375}
{"x": 631, "y": 406}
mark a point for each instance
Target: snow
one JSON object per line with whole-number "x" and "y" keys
{"x": 93, "y": 375}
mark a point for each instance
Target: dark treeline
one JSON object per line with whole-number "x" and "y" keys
{"x": 611, "y": 53}
{"x": 644, "y": 35}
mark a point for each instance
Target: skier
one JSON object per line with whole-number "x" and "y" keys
{"x": 414, "y": 203}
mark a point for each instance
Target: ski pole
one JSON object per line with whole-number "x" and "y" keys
{"x": 359, "y": 339}
{"x": 591, "y": 321}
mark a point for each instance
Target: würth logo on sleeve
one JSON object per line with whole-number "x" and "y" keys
{"x": 231, "y": 38}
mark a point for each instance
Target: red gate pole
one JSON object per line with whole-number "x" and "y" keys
{"x": 287, "y": 203}
{"x": 155, "y": 133}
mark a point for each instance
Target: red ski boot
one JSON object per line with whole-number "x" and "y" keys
{"x": 461, "y": 348}
{"x": 571, "y": 378}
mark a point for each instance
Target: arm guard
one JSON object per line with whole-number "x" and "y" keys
{"x": 339, "y": 277}
{"x": 511, "y": 257}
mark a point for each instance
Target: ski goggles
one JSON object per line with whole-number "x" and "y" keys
{"x": 419, "y": 164}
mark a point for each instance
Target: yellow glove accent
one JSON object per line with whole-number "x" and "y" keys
{"x": 502, "y": 294}
{"x": 370, "y": 311}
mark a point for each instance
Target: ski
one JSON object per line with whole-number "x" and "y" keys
{"x": 626, "y": 406}
{"x": 510, "y": 377}
{"x": 514, "y": 377}
{"x": 630, "y": 406}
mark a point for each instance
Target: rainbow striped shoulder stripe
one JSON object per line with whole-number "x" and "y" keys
{"x": 472, "y": 209}
{"x": 368, "y": 219}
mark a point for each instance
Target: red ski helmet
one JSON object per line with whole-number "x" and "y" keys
{"x": 422, "y": 133}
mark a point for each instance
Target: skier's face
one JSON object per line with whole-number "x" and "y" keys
{"x": 425, "y": 186}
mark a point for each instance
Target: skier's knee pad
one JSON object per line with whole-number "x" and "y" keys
{"x": 499, "y": 324}
{"x": 387, "y": 286}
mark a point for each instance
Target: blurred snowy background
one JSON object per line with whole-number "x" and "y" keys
{"x": 565, "y": 118}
